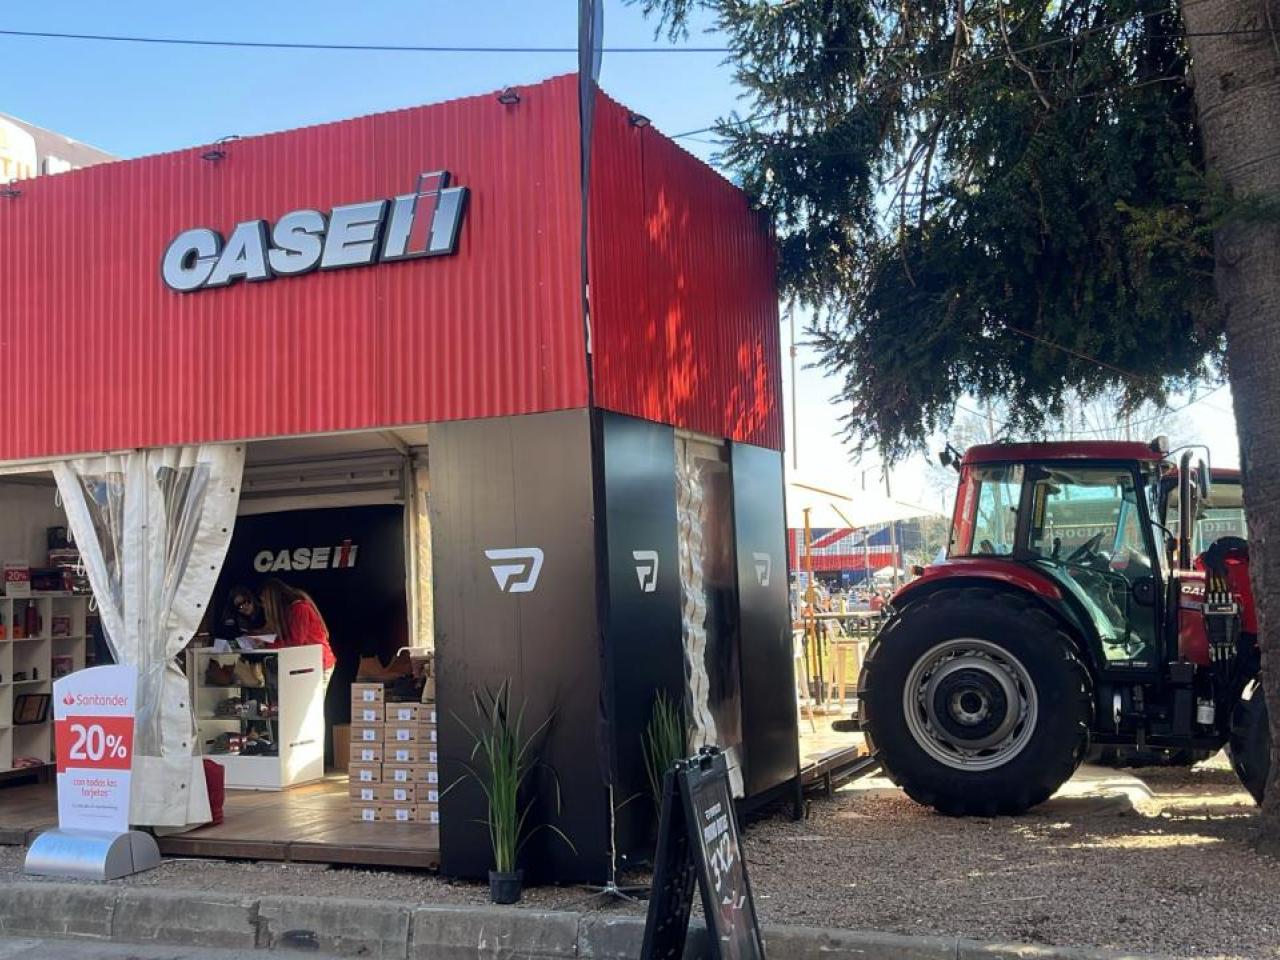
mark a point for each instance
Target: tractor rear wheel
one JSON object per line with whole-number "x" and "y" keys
{"x": 1250, "y": 744}
{"x": 976, "y": 701}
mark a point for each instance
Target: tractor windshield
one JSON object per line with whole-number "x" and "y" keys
{"x": 994, "y": 495}
{"x": 1087, "y": 531}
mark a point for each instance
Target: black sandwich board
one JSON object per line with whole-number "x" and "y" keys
{"x": 698, "y": 843}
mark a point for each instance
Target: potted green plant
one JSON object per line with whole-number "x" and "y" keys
{"x": 663, "y": 742}
{"x": 502, "y": 758}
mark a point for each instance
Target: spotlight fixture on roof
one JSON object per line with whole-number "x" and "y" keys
{"x": 218, "y": 151}
{"x": 509, "y": 97}
{"x": 638, "y": 120}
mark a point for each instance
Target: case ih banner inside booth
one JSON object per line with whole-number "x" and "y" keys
{"x": 341, "y": 381}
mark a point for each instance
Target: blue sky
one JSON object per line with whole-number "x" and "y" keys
{"x": 133, "y": 99}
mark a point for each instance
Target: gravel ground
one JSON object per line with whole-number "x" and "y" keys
{"x": 1148, "y": 860}
{"x": 1106, "y": 863}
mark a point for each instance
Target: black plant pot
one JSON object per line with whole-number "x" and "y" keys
{"x": 505, "y": 887}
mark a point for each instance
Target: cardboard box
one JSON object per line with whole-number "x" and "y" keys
{"x": 401, "y": 712}
{"x": 427, "y": 733}
{"x": 400, "y": 794}
{"x": 362, "y": 752}
{"x": 398, "y": 813}
{"x": 428, "y": 754}
{"x": 365, "y": 772}
{"x": 402, "y": 753}
{"x": 410, "y": 712}
{"x": 366, "y": 812}
{"x": 365, "y": 793}
{"x": 420, "y": 773}
{"x": 366, "y": 732}
{"x": 367, "y": 712}
{"x": 368, "y": 693}
{"x": 428, "y": 813}
{"x": 398, "y": 772}
{"x": 342, "y": 747}
{"x": 428, "y": 794}
{"x": 400, "y": 733}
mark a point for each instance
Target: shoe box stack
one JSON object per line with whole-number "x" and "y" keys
{"x": 394, "y": 770}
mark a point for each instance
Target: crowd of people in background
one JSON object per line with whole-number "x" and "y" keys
{"x": 827, "y": 599}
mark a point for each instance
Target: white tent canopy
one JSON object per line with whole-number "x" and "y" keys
{"x": 832, "y": 505}
{"x": 888, "y": 573}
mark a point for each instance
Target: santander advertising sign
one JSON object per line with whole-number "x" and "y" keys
{"x": 93, "y": 715}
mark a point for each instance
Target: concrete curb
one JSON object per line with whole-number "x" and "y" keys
{"x": 391, "y": 931}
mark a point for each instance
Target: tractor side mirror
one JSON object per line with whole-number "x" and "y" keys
{"x": 1144, "y": 591}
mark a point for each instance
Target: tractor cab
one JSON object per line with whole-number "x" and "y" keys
{"x": 1080, "y": 520}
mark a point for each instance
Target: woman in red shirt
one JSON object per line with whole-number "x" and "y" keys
{"x": 293, "y": 617}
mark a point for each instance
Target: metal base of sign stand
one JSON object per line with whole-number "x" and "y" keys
{"x": 84, "y": 855}
{"x": 611, "y": 891}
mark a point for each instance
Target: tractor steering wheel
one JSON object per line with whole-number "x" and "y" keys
{"x": 1086, "y": 551}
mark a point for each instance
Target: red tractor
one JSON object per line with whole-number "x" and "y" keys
{"x": 1073, "y": 608}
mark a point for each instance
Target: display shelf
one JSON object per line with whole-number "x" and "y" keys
{"x": 298, "y": 726}
{"x": 36, "y": 653}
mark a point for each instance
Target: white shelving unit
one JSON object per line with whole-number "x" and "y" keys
{"x": 294, "y": 687}
{"x": 32, "y": 658}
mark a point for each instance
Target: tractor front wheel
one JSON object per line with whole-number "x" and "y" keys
{"x": 976, "y": 701}
{"x": 1250, "y": 744}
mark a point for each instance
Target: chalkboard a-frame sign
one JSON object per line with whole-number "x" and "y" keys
{"x": 698, "y": 843}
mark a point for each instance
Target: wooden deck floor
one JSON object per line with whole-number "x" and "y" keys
{"x": 310, "y": 823}
{"x": 824, "y": 751}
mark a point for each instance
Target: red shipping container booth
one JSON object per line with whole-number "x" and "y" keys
{"x": 598, "y": 510}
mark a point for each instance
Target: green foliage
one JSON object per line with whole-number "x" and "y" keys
{"x": 664, "y": 743}
{"x": 996, "y": 197}
{"x": 502, "y": 759}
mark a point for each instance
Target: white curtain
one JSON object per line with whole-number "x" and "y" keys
{"x": 153, "y": 528}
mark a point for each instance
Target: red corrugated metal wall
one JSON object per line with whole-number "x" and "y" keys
{"x": 99, "y": 354}
{"x": 683, "y": 294}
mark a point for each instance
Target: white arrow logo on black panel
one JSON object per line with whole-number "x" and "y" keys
{"x": 516, "y": 568}
{"x": 764, "y": 567}
{"x": 646, "y": 569}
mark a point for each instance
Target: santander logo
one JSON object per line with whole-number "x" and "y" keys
{"x": 96, "y": 700}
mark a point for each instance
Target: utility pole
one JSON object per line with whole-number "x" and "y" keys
{"x": 893, "y": 532}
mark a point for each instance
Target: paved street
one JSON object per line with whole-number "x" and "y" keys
{"x": 79, "y": 950}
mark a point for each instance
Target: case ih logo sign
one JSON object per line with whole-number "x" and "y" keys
{"x": 341, "y": 557}
{"x": 516, "y": 568}
{"x": 424, "y": 223}
{"x": 764, "y": 567}
{"x": 646, "y": 569}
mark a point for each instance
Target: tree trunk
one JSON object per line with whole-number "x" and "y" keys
{"x": 1235, "y": 57}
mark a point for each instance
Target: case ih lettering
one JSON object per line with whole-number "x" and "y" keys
{"x": 424, "y": 223}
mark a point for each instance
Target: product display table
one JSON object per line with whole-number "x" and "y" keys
{"x": 260, "y": 714}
